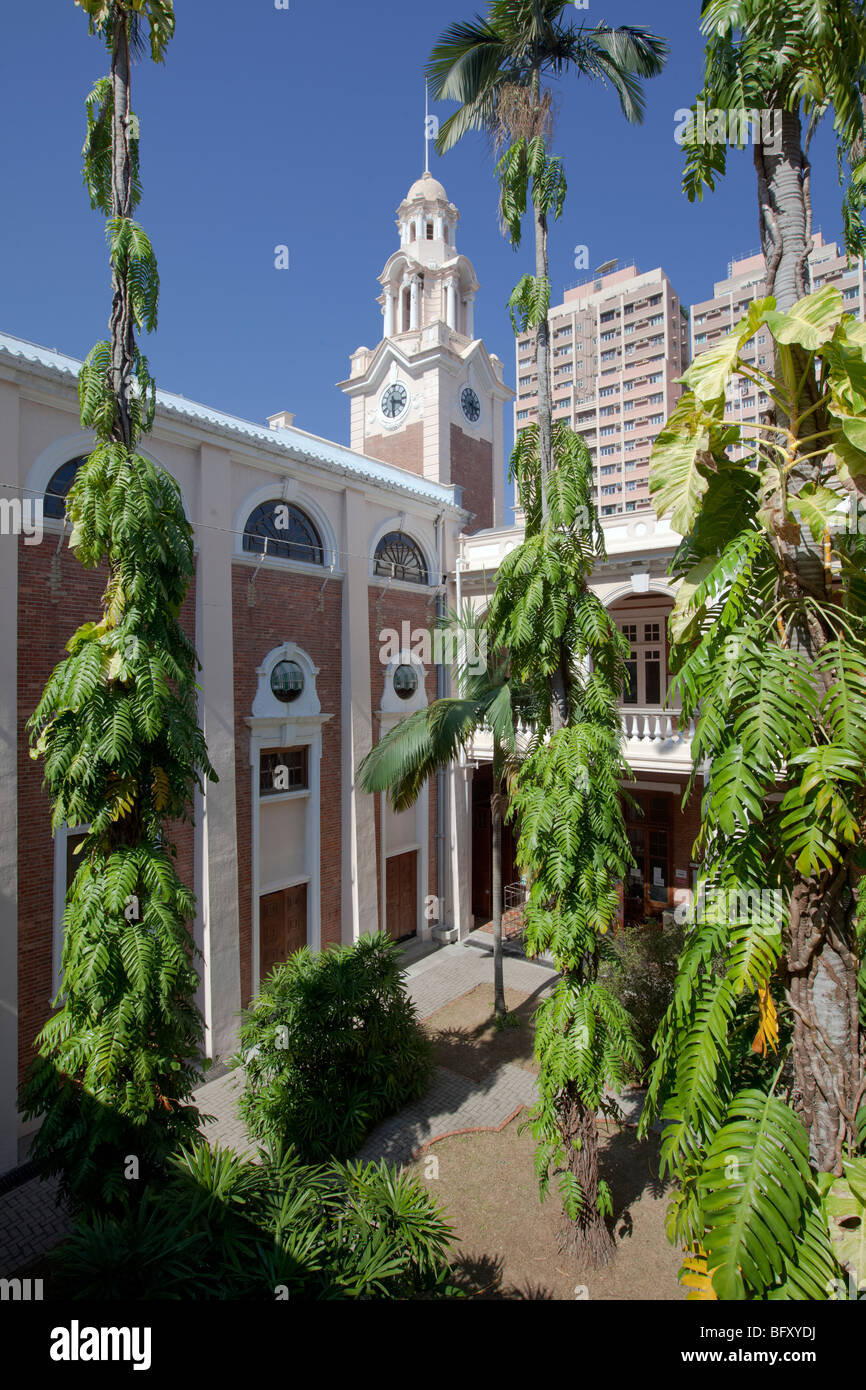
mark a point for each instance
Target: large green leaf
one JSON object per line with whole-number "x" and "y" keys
{"x": 755, "y": 1190}
{"x": 811, "y": 322}
{"x": 676, "y": 479}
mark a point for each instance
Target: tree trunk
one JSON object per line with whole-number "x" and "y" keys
{"x": 122, "y": 322}
{"x": 822, "y": 991}
{"x": 588, "y": 1238}
{"x": 496, "y": 815}
{"x": 785, "y": 216}
{"x": 821, "y": 946}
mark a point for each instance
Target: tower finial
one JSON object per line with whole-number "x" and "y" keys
{"x": 426, "y": 126}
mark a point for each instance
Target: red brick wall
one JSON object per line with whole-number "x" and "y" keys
{"x": 390, "y": 608}
{"x": 472, "y": 469}
{"x": 404, "y": 449}
{"x": 45, "y": 624}
{"x": 287, "y": 609}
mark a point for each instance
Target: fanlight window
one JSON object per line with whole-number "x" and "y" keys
{"x": 398, "y": 557}
{"x": 277, "y": 528}
{"x": 58, "y": 489}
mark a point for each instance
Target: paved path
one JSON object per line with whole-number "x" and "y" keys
{"x": 30, "y": 1223}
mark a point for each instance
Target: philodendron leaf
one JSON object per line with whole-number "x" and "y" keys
{"x": 676, "y": 479}
{"x": 819, "y": 507}
{"x": 846, "y": 370}
{"x": 850, "y": 459}
{"x": 811, "y": 322}
{"x": 845, "y": 1205}
{"x": 710, "y": 372}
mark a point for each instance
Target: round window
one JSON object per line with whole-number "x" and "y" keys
{"x": 287, "y": 681}
{"x": 405, "y": 681}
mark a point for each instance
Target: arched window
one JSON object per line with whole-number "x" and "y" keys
{"x": 58, "y": 488}
{"x": 398, "y": 557}
{"x": 277, "y": 528}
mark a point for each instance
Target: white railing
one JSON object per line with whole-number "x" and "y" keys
{"x": 655, "y": 725}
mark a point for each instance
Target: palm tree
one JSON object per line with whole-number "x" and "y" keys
{"x": 494, "y": 68}
{"x": 803, "y": 59}
{"x": 433, "y": 738}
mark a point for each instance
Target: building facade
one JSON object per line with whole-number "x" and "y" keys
{"x": 619, "y": 342}
{"x": 712, "y": 319}
{"x": 316, "y": 567}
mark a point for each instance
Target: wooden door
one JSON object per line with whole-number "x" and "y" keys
{"x": 401, "y": 894}
{"x": 282, "y": 926}
{"x": 481, "y": 863}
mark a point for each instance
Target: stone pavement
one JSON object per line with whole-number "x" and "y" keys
{"x": 30, "y": 1223}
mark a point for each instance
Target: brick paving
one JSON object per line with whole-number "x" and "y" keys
{"x": 30, "y": 1222}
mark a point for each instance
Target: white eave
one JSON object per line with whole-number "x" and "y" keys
{"x": 291, "y": 443}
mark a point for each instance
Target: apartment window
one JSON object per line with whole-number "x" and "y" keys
{"x": 628, "y": 426}
{"x": 656, "y": 420}
{"x": 629, "y": 449}
{"x": 628, "y": 405}
{"x": 607, "y": 390}
{"x": 608, "y": 337}
{"x": 629, "y": 309}
{"x": 607, "y": 449}
{"x": 631, "y": 465}
{"x": 609, "y": 316}
{"x": 608, "y": 511}
{"x": 852, "y": 293}
{"x": 609, "y": 356}
{"x": 522, "y": 414}
{"x": 608, "y": 429}
{"x": 631, "y": 486}
{"x": 609, "y": 490}
{"x": 607, "y": 410}
{"x": 608, "y": 468}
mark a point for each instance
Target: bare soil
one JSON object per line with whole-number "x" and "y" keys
{"x": 466, "y": 1040}
{"x": 506, "y": 1242}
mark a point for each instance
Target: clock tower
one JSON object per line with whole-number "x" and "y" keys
{"x": 429, "y": 398}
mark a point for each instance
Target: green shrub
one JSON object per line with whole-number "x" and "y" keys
{"x": 330, "y": 1046}
{"x": 640, "y": 969}
{"x": 223, "y": 1227}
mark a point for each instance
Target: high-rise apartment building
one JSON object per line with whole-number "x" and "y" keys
{"x": 619, "y": 342}
{"x": 714, "y": 318}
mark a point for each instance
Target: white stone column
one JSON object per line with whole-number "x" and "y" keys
{"x": 470, "y": 314}
{"x": 450, "y": 304}
{"x": 403, "y": 326}
{"x": 9, "y": 443}
{"x": 360, "y": 886}
{"x": 219, "y": 871}
{"x": 389, "y": 312}
{"x": 413, "y": 304}
{"x": 439, "y": 226}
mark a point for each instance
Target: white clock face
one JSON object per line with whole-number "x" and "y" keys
{"x": 394, "y": 400}
{"x": 471, "y": 404}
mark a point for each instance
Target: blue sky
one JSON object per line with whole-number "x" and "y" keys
{"x": 304, "y": 127}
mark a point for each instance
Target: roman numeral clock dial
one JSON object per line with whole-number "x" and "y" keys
{"x": 394, "y": 400}
{"x": 471, "y": 404}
